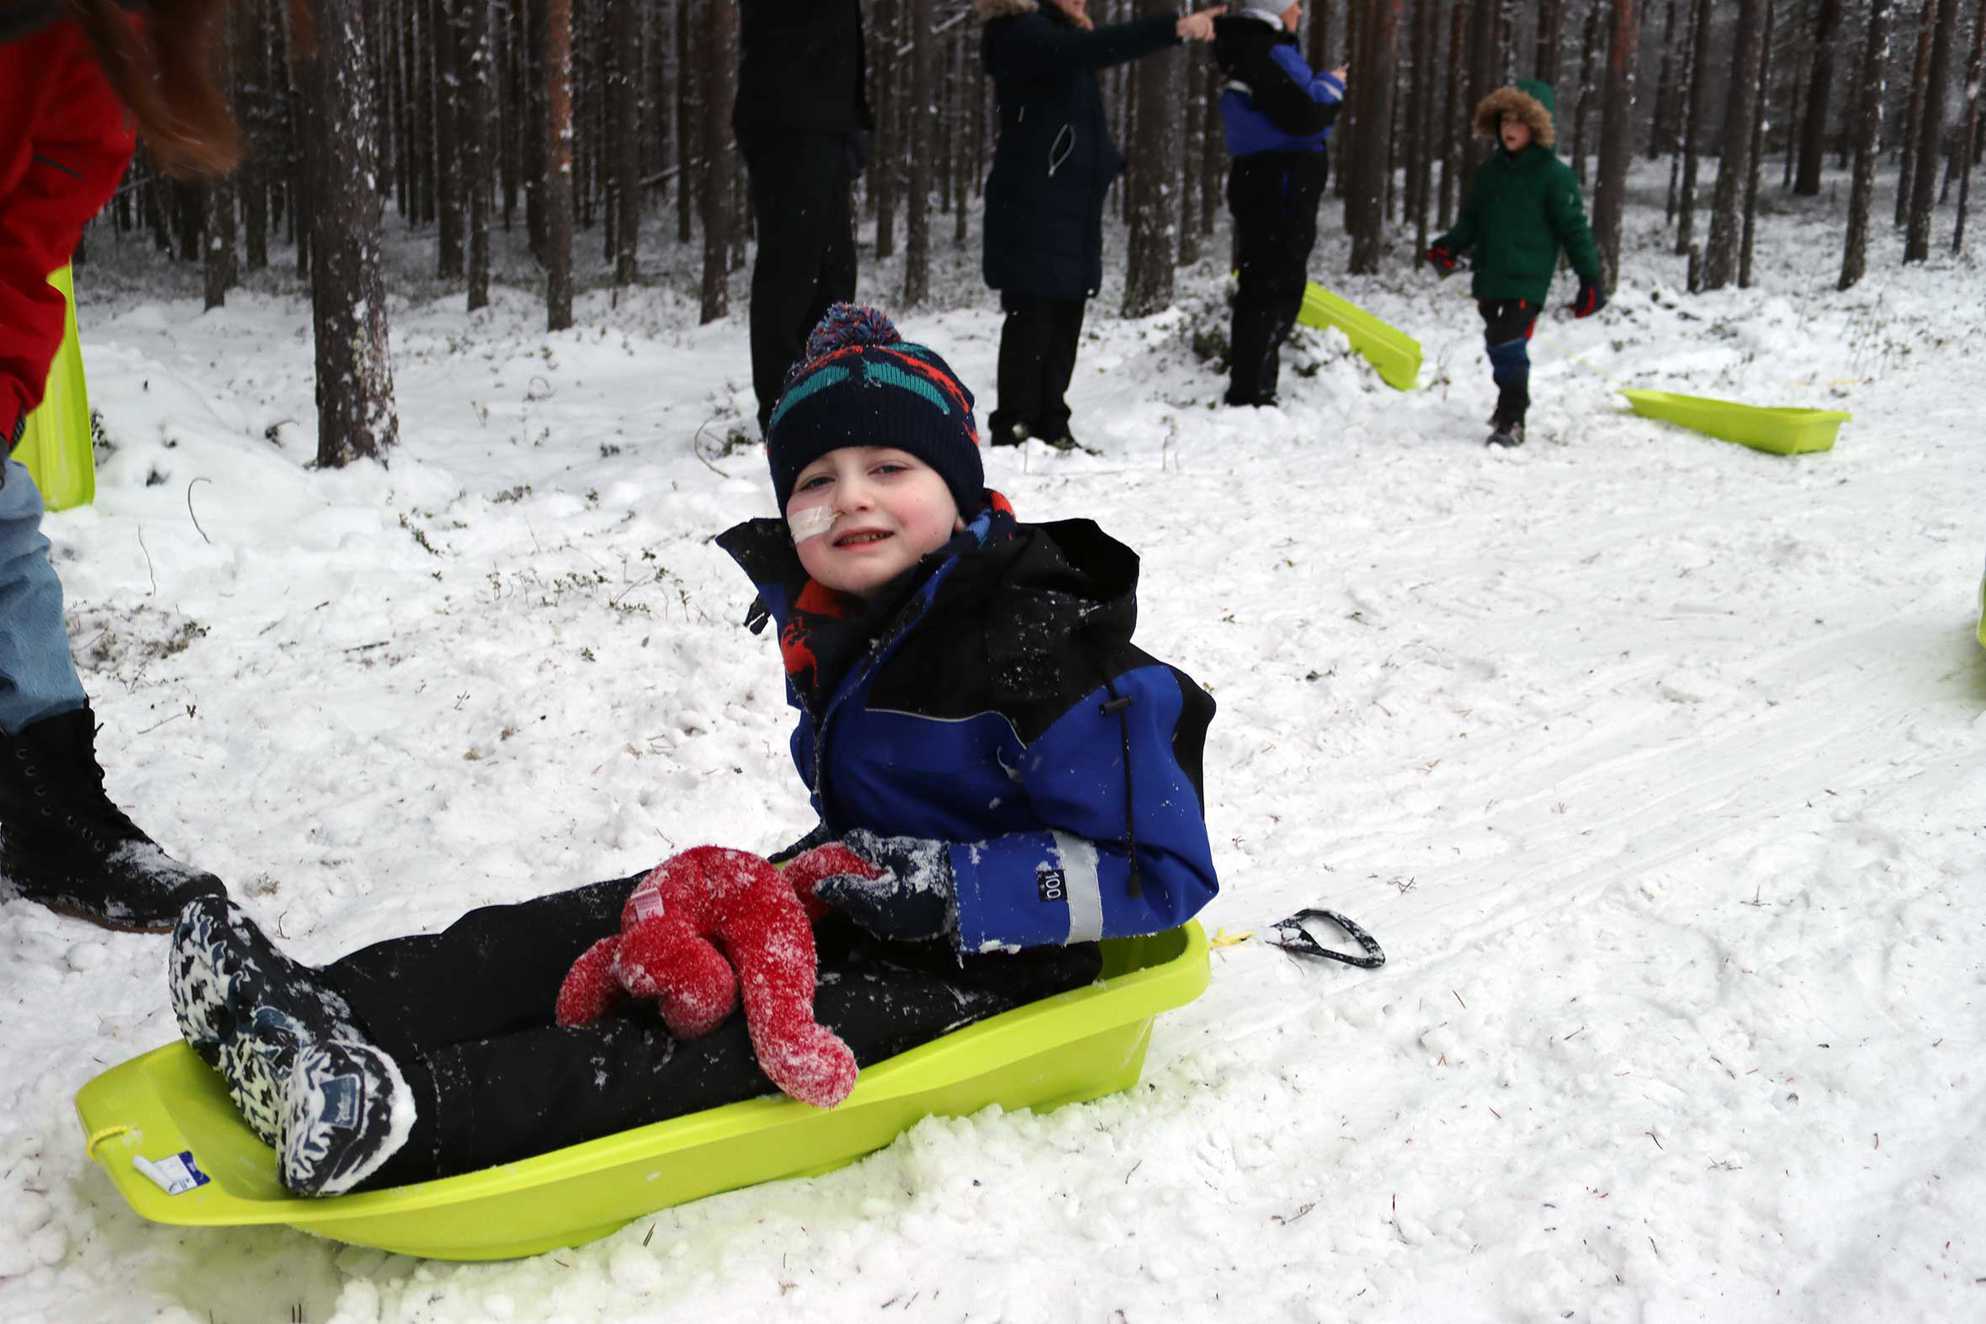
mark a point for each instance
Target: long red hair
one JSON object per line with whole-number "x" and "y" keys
{"x": 162, "y": 69}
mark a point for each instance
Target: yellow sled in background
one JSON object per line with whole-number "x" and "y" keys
{"x": 1782, "y": 431}
{"x": 164, "y": 1120}
{"x": 1395, "y": 354}
{"x": 56, "y": 444}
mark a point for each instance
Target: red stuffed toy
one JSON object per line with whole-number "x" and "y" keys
{"x": 758, "y": 917}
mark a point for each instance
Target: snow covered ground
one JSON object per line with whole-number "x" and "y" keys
{"x": 1658, "y": 765}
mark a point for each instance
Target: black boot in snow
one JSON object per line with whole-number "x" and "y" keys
{"x": 65, "y": 845}
{"x": 1505, "y": 432}
{"x": 247, "y": 1008}
{"x": 346, "y": 1110}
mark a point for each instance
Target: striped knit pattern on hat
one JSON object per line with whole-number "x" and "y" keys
{"x": 861, "y": 384}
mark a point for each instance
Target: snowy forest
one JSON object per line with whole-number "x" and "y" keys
{"x": 579, "y": 125}
{"x": 1655, "y": 763}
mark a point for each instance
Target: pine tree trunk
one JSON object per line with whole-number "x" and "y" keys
{"x": 1551, "y": 35}
{"x": 537, "y": 221}
{"x": 888, "y": 156}
{"x": 624, "y": 40}
{"x": 1720, "y": 258}
{"x": 1750, "y": 228}
{"x": 1616, "y": 139}
{"x": 1661, "y": 139}
{"x": 1589, "y": 54}
{"x": 445, "y": 16}
{"x": 1868, "y": 138}
{"x": 1213, "y": 149}
{"x": 1930, "y": 134}
{"x": 1820, "y": 85}
{"x": 1694, "y": 126}
{"x": 558, "y": 183}
{"x": 1368, "y": 167}
{"x": 917, "y": 123}
{"x": 1191, "y": 157}
{"x": 218, "y": 223}
{"x": 1906, "y": 180}
{"x": 1421, "y": 125}
{"x": 1149, "y": 195}
{"x": 355, "y": 411}
{"x": 718, "y": 59}
{"x": 478, "y": 65}
{"x": 252, "y": 106}
{"x": 1454, "y": 119}
{"x": 1969, "y": 141}
{"x": 688, "y": 121}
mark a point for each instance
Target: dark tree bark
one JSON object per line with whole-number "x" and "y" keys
{"x": 886, "y": 160}
{"x": 1484, "y": 65}
{"x": 476, "y": 137}
{"x": 558, "y": 184}
{"x": 1661, "y": 138}
{"x": 218, "y": 223}
{"x": 1757, "y": 153}
{"x": 1820, "y": 86}
{"x": 1868, "y": 137}
{"x": 1454, "y": 119}
{"x": 1906, "y": 180}
{"x": 1720, "y": 258}
{"x": 917, "y": 123}
{"x": 537, "y": 221}
{"x": 1694, "y": 126}
{"x": 355, "y": 412}
{"x": 1930, "y": 134}
{"x": 688, "y": 120}
{"x": 1589, "y": 55}
{"x": 1969, "y": 140}
{"x": 624, "y": 43}
{"x": 1317, "y": 34}
{"x": 252, "y": 100}
{"x": 1213, "y": 147}
{"x": 1551, "y": 35}
{"x": 447, "y": 138}
{"x": 1368, "y": 161}
{"x": 1154, "y": 211}
{"x": 1616, "y": 138}
{"x": 719, "y": 61}
{"x": 1421, "y": 127}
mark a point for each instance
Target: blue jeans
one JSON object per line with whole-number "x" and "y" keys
{"x": 37, "y": 677}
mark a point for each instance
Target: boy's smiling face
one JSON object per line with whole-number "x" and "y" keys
{"x": 1515, "y": 132}
{"x": 862, "y": 515}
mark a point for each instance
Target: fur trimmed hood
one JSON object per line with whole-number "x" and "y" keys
{"x": 1530, "y": 100}
{"x": 988, "y": 10}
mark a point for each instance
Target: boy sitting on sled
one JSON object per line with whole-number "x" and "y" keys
{"x": 1013, "y": 776}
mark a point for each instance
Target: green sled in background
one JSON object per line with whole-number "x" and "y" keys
{"x": 1395, "y": 354}
{"x": 1078, "y": 1045}
{"x": 1781, "y": 431}
{"x": 56, "y": 444}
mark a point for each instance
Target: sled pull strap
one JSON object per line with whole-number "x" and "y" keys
{"x": 1291, "y": 936}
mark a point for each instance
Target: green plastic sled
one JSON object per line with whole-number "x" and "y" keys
{"x": 1392, "y": 351}
{"x": 1074, "y": 1046}
{"x": 56, "y": 443}
{"x": 1781, "y": 431}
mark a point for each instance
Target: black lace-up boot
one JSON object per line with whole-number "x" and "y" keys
{"x": 66, "y": 846}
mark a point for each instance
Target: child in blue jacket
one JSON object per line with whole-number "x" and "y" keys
{"x": 973, "y": 721}
{"x": 1278, "y": 116}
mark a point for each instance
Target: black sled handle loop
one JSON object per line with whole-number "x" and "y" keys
{"x": 1292, "y": 937}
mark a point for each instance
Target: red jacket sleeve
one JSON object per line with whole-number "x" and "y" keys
{"x": 64, "y": 144}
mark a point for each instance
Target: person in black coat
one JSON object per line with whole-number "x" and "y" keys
{"x": 802, "y": 120}
{"x": 1044, "y": 198}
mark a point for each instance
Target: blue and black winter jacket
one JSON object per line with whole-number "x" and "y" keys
{"x": 1272, "y": 101}
{"x": 1003, "y": 709}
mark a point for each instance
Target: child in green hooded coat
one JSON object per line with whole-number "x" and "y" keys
{"x": 1522, "y": 209}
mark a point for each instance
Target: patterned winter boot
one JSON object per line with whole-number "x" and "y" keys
{"x": 248, "y": 1009}
{"x": 346, "y": 1111}
{"x": 65, "y": 845}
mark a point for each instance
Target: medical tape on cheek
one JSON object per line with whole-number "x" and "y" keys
{"x": 810, "y": 523}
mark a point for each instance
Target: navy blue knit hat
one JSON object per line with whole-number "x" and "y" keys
{"x": 861, "y": 384}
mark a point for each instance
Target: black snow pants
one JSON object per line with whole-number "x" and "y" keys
{"x": 1038, "y": 339}
{"x": 1274, "y": 197}
{"x": 467, "y": 1016}
{"x": 799, "y": 185}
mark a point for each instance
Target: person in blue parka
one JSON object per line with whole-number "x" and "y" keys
{"x": 973, "y": 721}
{"x": 1052, "y": 165}
{"x": 1277, "y": 114}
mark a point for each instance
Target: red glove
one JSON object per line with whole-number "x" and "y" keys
{"x": 1588, "y": 301}
{"x": 1442, "y": 258}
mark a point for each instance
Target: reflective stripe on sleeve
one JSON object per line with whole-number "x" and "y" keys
{"x": 1084, "y": 892}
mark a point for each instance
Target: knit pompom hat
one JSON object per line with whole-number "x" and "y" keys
{"x": 861, "y": 384}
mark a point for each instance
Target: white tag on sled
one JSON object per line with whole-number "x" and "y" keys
{"x": 175, "y": 1174}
